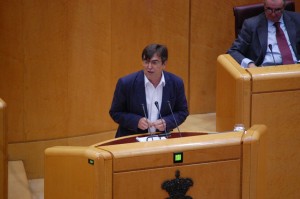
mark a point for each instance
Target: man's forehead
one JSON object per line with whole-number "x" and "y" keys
{"x": 274, "y": 3}
{"x": 155, "y": 57}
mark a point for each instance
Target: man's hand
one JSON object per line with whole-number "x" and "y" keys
{"x": 143, "y": 123}
{"x": 251, "y": 65}
{"x": 159, "y": 124}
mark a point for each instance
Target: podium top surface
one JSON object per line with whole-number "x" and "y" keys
{"x": 129, "y": 154}
{"x": 262, "y": 79}
{"x": 132, "y": 139}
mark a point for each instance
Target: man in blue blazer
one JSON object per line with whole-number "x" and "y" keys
{"x": 257, "y": 45}
{"x": 141, "y": 97}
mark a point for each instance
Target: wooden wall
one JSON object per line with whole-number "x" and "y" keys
{"x": 60, "y": 60}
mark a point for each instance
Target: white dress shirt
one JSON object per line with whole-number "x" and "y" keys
{"x": 152, "y": 95}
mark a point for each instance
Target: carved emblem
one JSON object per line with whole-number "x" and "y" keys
{"x": 178, "y": 187}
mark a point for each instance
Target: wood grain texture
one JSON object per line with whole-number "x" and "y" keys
{"x": 271, "y": 99}
{"x": 228, "y": 161}
{"x": 60, "y": 60}
{"x": 280, "y": 112}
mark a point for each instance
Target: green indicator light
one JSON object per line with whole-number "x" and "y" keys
{"x": 178, "y": 157}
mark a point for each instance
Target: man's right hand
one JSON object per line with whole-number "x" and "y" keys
{"x": 143, "y": 123}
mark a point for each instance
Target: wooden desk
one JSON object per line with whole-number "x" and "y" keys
{"x": 270, "y": 96}
{"x": 221, "y": 165}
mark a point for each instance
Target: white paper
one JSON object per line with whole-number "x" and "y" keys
{"x": 150, "y": 138}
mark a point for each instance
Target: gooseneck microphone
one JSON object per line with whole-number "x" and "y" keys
{"x": 174, "y": 117}
{"x": 271, "y": 49}
{"x": 157, "y": 106}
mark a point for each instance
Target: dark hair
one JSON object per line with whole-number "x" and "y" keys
{"x": 158, "y": 49}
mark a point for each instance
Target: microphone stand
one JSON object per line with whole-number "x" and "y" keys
{"x": 271, "y": 49}
{"x": 157, "y": 106}
{"x": 174, "y": 118}
{"x": 149, "y": 132}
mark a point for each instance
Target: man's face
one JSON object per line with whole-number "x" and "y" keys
{"x": 273, "y": 9}
{"x": 153, "y": 68}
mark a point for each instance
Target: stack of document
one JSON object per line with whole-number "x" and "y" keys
{"x": 150, "y": 138}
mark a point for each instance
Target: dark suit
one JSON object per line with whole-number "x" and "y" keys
{"x": 127, "y": 110}
{"x": 252, "y": 41}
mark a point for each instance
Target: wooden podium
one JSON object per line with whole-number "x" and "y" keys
{"x": 196, "y": 165}
{"x": 270, "y": 96}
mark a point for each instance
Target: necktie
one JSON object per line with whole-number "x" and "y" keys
{"x": 284, "y": 49}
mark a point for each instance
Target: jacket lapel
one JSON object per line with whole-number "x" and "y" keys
{"x": 140, "y": 86}
{"x": 289, "y": 24}
{"x": 262, "y": 32}
{"x": 166, "y": 93}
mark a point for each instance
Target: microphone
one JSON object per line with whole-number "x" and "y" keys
{"x": 157, "y": 106}
{"x": 174, "y": 118}
{"x": 270, "y": 47}
{"x": 143, "y": 106}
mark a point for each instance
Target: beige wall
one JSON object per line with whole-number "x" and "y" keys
{"x": 60, "y": 60}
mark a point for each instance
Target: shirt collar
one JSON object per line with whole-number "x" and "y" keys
{"x": 271, "y": 23}
{"x": 162, "y": 80}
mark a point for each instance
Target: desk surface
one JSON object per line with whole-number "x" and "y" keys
{"x": 132, "y": 139}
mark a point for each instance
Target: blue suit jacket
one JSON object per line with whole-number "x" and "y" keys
{"x": 252, "y": 41}
{"x": 127, "y": 110}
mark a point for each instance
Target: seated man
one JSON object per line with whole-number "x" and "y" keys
{"x": 270, "y": 38}
{"x": 144, "y": 101}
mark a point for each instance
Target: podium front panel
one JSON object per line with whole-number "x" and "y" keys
{"x": 280, "y": 112}
{"x": 272, "y": 99}
{"x": 213, "y": 165}
{"x": 210, "y": 161}
{"x": 210, "y": 180}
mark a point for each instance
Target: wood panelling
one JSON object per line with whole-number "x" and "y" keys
{"x": 269, "y": 96}
{"x": 67, "y": 62}
{"x": 133, "y": 183}
{"x": 136, "y": 24}
{"x": 211, "y": 34}
{"x": 283, "y": 158}
{"x": 70, "y": 54}
{"x": 32, "y": 153}
{"x": 217, "y": 165}
{"x": 12, "y": 66}
{"x": 56, "y": 81}
{"x": 60, "y": 60}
